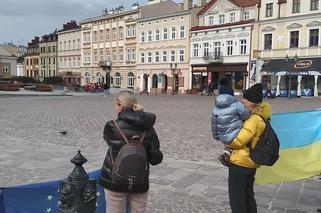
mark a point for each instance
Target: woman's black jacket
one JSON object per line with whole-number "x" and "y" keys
{"x": 132, "y": 123}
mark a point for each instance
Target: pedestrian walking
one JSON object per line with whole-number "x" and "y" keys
{"x": 227, "y": 119}
{"x": 125, "y": 171}
{"x": 242, "y": 169}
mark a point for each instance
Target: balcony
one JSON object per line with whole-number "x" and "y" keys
{"x": 105, "y": 64}
{"x": 215, "y": 57}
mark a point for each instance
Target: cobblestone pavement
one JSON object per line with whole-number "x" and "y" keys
{"x": 189, "y": 180}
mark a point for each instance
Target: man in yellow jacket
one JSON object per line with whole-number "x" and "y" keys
{"x": 242, "y": 169}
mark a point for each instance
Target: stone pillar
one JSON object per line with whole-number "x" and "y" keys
{"x": 299, "y": 86}
{"x": 278, "y": 86}
{"x": 316, "y": 86}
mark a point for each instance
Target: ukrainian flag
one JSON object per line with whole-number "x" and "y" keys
{"x": 300, "y": 147}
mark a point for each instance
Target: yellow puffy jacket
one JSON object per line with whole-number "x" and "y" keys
{"x": 249, "y": 135}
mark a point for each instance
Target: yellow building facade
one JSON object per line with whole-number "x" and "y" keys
{"x": 286, "y": 47}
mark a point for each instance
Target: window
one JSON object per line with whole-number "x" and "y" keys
{"x": 173, "y": 56}
{"x": 165, "y": 35}
{"x": 195, "y": 50}
{"x": 101, "y": 54}
{"x": 269, "y": 10}
{"x": 314, "y": 37}
{"x": 211, "y": 20}
{"x": 142, "y": 58}
{"x": 73, "y": 45}
{"x": 129, "y": 31}
{"x": 95, "y": 56}
{"x": 117, "y": 79}
{"x": 268, "y": 41}
{"x": 121, "y": 55}
{"x": 217, "y": 49}
{"x": 294, "y": 39}
{"x": 130, "y": 79}
{"x": 206, "y": 49}
{"x": 229, "y": 47}
{"x": 87, "y": 77}
{"x": 129, "y": 54}
{"x": 78, "y": 43}
{"x": 95, "y": 37}
{"x": 74, "y": 61}
{"x": 114, "y": 34}
{"x": 142, "y": 37}
{"x": 181, "y": 56}
{"x": 296, "y": 6}
{"x": 157, "y": 56}
{"x": 149, "y": 57}
{"x": 182, "y": 32}
{"x": 101, "y": 35}
{"x": 134, "y": 30}
{"x": 246, "y": 15}
{"x": 164, "y": 56}
{"x": 107, "y": 35}
{"x": 107, "y": 55}
{"x": 314, "y": 5}
{"x": 243, "y": 46}
{"x": 60, "y": 45}
{"x": 173, "y": 32}
{"x": 150, "y": 35}
{"x": 53, "y": 49}
{"x": 114, "y": 55}
{"x": 221, "y": 19}
{"x": 157, "y": 35}
{"x": 5, "y": 68}
{"x": 133, "y": 55}
{"x": 78, "y": 61}
{"x": 232, "y": 17}
{"x": 121, "y": 33}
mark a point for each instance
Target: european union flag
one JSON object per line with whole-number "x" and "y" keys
{"x": 41, "y": 197}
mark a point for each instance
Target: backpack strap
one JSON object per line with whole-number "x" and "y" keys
{"x": 120, "y": 131}
{"x": 123, "y": 134}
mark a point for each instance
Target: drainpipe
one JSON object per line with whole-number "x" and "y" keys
{"x": 249, "y": 64}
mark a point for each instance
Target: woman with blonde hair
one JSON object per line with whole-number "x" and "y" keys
{"x": 131, "y": 121}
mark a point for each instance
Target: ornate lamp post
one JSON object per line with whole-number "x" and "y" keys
{"x": 290, "y": 71}
{"x": 174, "y": 72}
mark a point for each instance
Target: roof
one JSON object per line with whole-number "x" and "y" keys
{"x": 159, "y": 9}
{"x": 4, "y": 52}
{"x": 222, "y": 25}
{"x": 239, "y": 3}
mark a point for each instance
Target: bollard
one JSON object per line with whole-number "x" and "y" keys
{"x": 77, "y": 193}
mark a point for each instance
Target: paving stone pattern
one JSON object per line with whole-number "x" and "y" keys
{"x": 189, "y": 180}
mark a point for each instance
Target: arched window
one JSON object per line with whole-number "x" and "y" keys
{"x": 98, "y": 78}
{"x": 131, "y": 79}
{"x": 155, "y": 81}
{"x": 117, "y": 79}
{"x": 87, "y": 78}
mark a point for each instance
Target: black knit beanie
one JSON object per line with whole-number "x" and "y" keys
{"x": 254, "y": 93}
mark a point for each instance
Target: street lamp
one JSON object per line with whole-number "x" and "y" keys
{"x": 290, "y": 71}
{"x": 174, "y": 72}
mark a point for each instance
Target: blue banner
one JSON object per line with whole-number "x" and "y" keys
{"x": 41, "y": 197}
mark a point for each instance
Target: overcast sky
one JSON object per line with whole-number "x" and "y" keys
{"x": 21, "y": 20}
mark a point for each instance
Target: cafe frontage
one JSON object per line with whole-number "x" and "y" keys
{"x": 294, "y": 77}
{"x": 205, "y": 74}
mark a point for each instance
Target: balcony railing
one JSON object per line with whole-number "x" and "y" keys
{"x": 213, "y": 57}
{"x": 105, "y": 64}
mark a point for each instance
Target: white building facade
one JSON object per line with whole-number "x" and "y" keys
{"x": 69, "y": 53}
{"x": 221, "y": 44}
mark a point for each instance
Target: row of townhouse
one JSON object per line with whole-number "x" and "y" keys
{"x": 166, "y": 47}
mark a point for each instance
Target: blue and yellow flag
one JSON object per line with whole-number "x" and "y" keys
{"x": 300, "y": 147}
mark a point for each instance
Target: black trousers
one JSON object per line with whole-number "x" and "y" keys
{"x": 240, "y": 189}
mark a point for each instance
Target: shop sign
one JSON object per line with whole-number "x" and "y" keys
{"x": 204, "y": 73}
{"x": 303, "y": 64}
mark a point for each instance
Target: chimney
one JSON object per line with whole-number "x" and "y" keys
{"x": 181, "y": 6}
{"x": 201, "y": 3}
{"x": 153, "y": 1}
{"x": 188, "y": 4}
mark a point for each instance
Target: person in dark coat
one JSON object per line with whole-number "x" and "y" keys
{"x": 132, "y": 121}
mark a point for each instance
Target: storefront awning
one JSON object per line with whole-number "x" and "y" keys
{"x": 303, "y": 66}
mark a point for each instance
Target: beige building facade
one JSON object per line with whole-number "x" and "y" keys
{"x": 8, "y": 64}
{"x": 48, "y": 56}
{"x": 108, "y": 48}
{"x": 69, "y": 53}
{"x": 286, "y": 46}
{"x": 163, "y": 46}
